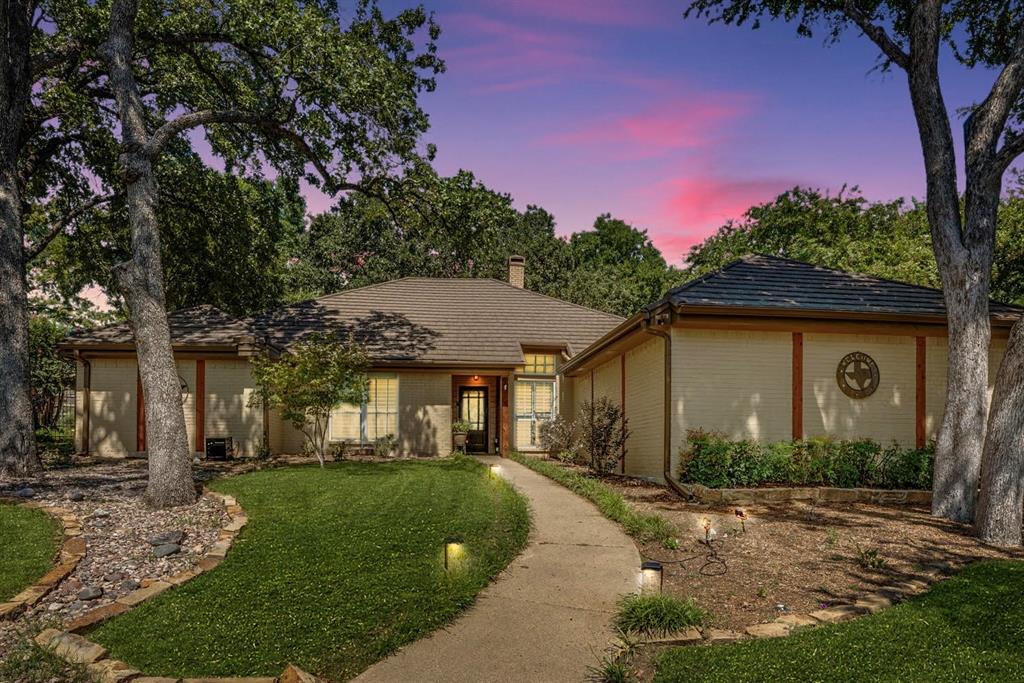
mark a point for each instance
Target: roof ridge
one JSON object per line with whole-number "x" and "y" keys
{"x": 552, "y": 298}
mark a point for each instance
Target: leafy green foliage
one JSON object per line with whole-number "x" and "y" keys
{"x": 641, "y": 526}
{"x": 870, "y": 558}
{"x": 966, "y": 628}
{"x": 610, "y": 669}
{"x": 885, "y": 239}
{"x": 318, "y": 375}
{"x": 656, "y": 615}
{"x": 50, "y": 373}
{"x": 434, "y": 226}
{"x": 603, "y": 430}
{"x": 29, "y": 539}
{"x": 711, "y": 459}
{"x": 335, "y": 570}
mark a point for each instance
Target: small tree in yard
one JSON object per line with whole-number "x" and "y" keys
{"x": 306, "y": 384}
{"x": 604, "y": 430}
{"x": 560, "y": 437}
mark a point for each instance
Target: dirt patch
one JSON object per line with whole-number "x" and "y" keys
{"x": 795, "y": 557}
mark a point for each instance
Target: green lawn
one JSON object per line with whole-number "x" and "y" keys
{"x": 28, "y": 544}
{"x": 968, "y": 628}
{"x": 336, "y": 569}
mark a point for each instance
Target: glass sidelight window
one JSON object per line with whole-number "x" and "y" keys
{"x": 377, "y": 417}
{"x": 534, "y": 405}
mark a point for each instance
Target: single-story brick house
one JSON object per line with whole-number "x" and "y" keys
{"x": 766, "y": 348}
{"x": 773, "y": 349}
{"x": 481, "y": 349}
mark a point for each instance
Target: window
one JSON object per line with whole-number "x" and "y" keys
{"x": 534, "y": 405}
{"x": 375, "y": 418}
{"x": 540, "y": 363}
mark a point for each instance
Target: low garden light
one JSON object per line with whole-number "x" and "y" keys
{"x": 652, "y": 577}
{"x": 742, "y": 515}
{"x": 453, "y": 550}
{"x": 494, "y": 470}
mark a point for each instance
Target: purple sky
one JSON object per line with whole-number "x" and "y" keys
{"x": 621, "y": 106}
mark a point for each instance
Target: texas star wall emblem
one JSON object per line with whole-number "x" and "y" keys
{"x": 857, "y": 375}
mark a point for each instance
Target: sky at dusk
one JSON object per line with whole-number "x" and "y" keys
{"x": 592, "y": 106}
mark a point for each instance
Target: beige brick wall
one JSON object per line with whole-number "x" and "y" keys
{"x": 739, "y": 383}
{"x": 886, "y": 415}
{"x": 608, "y": 381}
{"x": 229, "y": 385}
{"x": 112, "y": 416}
{"x": 645, "y": 401}
{"x": 935, "y": 378}
{"x": 425, "y": 413}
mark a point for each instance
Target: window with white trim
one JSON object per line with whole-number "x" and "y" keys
{"x": 377, "y": 417}
{"x": 534, "y": 405}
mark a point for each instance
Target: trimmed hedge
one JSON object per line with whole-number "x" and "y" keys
{"x": 711, "y": 459}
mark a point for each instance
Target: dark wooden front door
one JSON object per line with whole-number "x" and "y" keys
{"x": 473, "y": 409}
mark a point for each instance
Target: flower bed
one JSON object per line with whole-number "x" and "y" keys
{"x": 711, "y": 460}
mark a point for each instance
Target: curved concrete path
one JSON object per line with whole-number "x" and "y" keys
{"x": 546, "y": 617}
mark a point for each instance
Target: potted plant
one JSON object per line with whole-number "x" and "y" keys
{"x": 460, "y": 432}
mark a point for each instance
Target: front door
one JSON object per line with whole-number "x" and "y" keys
{"x": 473, "y": 409}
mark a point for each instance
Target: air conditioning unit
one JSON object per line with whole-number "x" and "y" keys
{"x": 220, "y": 449}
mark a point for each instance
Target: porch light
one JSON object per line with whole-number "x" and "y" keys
{"x": 476, "y": 378}
{"x": 453, "y": 550}
{"x": 652, "y": 578}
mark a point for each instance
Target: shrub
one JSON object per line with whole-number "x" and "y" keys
{"x": 384, "y": 446}
{"x": 604, "y": 430}
{"x": 656, "y": 614}
{"x": 713, "y": 460}
{"x": 560, "y": 437}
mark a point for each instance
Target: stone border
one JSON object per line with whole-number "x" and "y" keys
{"x": 821, "y": 494}
{"x": 76, "y": 649}
{"x": 72, "y": 550}
{"x": 784, "y": 625}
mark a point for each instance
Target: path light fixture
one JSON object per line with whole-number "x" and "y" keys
{"x": 652, "y": 577}
{"x": 742, "y": 514}
{"x": 706, "y": 523}
{"x": 453, "y": 550}
{"x": 494, "y": 470}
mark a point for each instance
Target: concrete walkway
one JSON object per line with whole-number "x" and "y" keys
{"x": 546, "y": 617}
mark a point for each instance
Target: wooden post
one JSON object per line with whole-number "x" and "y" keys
{"x": 201, "y": 406}
{"x": 798, "y": 385}
{"x": 506, "y": 422}
{"x": 921, "y": 392}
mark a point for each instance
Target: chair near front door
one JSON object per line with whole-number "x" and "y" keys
{"x": 473, "y": 409}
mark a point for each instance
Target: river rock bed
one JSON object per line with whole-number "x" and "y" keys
{"x": 128, "y": 544}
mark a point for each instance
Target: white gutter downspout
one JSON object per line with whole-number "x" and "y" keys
{"x": 667, "y": 417}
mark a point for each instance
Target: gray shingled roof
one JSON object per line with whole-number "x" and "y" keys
{"x": 458, "y": 321}
{"x": 769, "y": 282}
{"x": 198, "y": 326}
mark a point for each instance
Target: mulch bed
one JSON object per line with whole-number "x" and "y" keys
{"x": 795, "y": 557}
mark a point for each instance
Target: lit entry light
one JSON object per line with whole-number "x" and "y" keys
{"x": 651, "y": 577}
{"x": 453, "y": 550}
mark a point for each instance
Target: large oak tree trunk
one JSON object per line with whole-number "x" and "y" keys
{"x": 1001, "y": 502}
{"x": 17, "y": 438}
{"x": 141, "y": 282}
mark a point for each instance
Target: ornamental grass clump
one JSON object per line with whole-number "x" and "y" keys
{"x": 713, "y": 460}
{"x": 657, "y": 615}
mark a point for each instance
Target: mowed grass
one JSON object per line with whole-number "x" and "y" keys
{"x": 337, "y": 569}
{"x": 28, "y": 544}
{"x": 968, "y": 628}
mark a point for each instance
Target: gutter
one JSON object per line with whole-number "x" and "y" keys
{"x": 646, "y": 326}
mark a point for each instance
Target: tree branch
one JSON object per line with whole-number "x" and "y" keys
{"x": 986, "y": 124}
{"x": 195, "y": 119}
{"x": 893, "y": 52}
{"x": 62, "y": 224}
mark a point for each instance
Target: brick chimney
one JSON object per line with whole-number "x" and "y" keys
{"x": 517, "y": 271}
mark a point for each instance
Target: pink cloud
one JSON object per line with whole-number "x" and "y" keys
{"x": 681, "y": 124}
{"x": 490, "y": 44}
{"x": 689, "y": 209}
{"x": 603, "y": 12}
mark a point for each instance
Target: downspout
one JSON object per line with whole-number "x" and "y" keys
{"x": 667, "y": 417}
{"x": 86, "y": 407}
